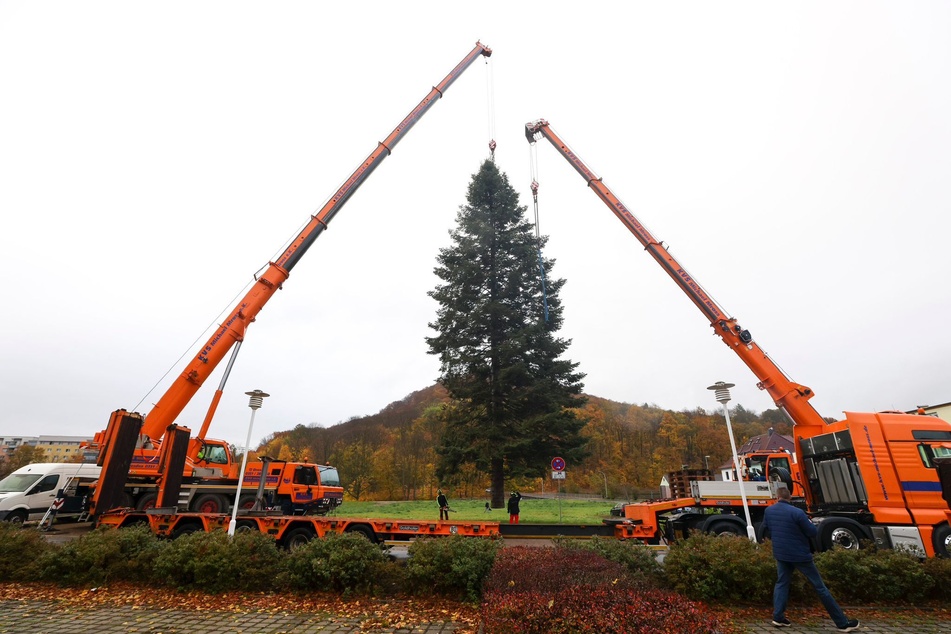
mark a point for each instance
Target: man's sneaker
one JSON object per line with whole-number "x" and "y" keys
{"x": 853, "y": 624}
{"x": 783, "y": 622}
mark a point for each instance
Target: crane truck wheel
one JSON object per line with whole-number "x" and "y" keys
{"x": 209, "y": 503}
{"x": 298, "y": 537}
{"x": 942, "y": 541}
{"x": 781, "y": 474}
{"x": 246, "y": 502}
{"x": 246, "y": 526}
{"x": 362, "y": 529}
{"x": 146, "y": 502}
{"x": 186, "y": 529}
{"x": 725, "y": 528}
{"x": 840, "y": 533}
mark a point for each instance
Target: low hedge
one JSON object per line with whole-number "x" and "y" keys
{"x": 576, "y": 590}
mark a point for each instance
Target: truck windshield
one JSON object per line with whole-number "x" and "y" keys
{"x": 18, "y": 482}
{"x": 329, "y": 477}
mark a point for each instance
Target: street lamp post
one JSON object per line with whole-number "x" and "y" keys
{"x": 255, "y": 403}
{"x": 605, "y": 484}
{"x": 722, "y": 392}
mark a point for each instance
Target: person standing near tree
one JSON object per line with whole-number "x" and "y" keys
{"x": 514, "y": 499}
{"x": 443, "y": 502}
{"x": 791, "y": 531}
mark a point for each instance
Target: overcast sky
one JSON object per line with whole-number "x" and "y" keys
{"x": 795, "y": 157}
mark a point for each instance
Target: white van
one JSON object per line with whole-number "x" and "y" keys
{"x": 27, "y": 493}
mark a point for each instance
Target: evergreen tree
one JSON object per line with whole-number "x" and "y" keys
{"x": 500, "y": 359}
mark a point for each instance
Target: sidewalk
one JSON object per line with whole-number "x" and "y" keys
{"x": 53, "y": 617}
{"x": 48, "y": 617}
{"x": 901, "y": 622}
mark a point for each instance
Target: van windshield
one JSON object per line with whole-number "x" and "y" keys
{"x": 19, "y": 482}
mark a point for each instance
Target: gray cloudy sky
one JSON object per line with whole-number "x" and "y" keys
{"x": 153, "y": 156}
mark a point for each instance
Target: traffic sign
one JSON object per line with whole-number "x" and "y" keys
{"x": 558, "y": 464}
{"x": 558, "y": 475}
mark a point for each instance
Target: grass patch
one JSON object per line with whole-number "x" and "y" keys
{"x": 532, "y": 511}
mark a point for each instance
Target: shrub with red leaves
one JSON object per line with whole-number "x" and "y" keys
{"x": 575, "y": 591}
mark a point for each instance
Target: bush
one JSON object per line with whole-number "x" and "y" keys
{"x": 575, "y": 590}
{"x": 939, "y": 569}
{"x": 523, "y": 568}
{"x": 455, "y": 566}
{"x": 871, "y": 574}
{"x": 216, "y": 562}
{"x": 636, "y": 557}
{"x": 723, "y": 569}
{"x": 20, "y": 552}
{"x": 347, "y": 562}
{"x": 103, "y": 555}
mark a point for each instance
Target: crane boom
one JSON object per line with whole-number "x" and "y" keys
{"x": 232, "y": 330}
{"x": 790, "y": 396}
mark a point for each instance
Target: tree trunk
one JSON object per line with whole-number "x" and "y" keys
{"x": 498, "y": 483}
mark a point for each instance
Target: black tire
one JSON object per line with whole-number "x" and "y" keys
{"x": 781, "y": 474}
{"x": 186, "y": 529}
{"x": 942, "y": 541}
{"x": 146, "y": 502}
{"x": 297, "y": 537}
{"x": 840, "y": 533}
{"x": 209, "y": 503}
{"x": 246, "y": 501}
{"x": 363, "y": 529}
{"x": 726, "y": 529}
{"x": 17, "y": 517}
{"x": 246, "y": 526}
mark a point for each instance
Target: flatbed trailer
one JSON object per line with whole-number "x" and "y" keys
{"x": 292, "y": 531}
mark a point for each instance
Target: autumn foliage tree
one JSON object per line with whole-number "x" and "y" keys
{"x": 500, "y": 359}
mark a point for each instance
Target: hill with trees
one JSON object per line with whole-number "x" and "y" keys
{"x": 391, "y": 455}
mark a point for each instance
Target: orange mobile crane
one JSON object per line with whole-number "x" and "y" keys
{"x": 156, "y": 448}
{"x": 872, "y": 476}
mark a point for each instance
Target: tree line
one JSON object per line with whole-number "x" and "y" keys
{"x": 392, "y": 455}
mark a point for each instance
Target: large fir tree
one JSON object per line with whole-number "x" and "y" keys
{"x": 500, "y": 359}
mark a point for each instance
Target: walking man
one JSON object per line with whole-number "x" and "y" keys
{"x": 791, "y": 530}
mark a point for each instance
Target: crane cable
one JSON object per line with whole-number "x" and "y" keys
{"x": 533, "y": 166}
{"x": 490, "y": 106}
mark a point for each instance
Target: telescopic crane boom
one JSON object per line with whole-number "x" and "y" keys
{"x": 870, "y": 476}
{"x": 790, "y": 396}
{"x": 126, "y": 430}
{"x": 233, "y": 329}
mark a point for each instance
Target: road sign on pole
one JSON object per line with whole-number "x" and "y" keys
{"x": 558, "y": 464}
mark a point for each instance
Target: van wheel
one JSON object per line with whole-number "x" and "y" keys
{"x": 17, "y": 517}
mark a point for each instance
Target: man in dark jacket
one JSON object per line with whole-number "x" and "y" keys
{"x": 791, "y": 532}
{"x": 512, "y": 505}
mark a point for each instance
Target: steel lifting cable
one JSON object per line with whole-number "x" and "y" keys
{"x": 490, "y": 106}
{"x": 533, "y": 161}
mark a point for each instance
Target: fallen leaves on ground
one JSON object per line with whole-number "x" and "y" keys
{"x": 371, "y": 613}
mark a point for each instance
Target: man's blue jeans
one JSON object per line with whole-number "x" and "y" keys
{"x": 784, "y": 571}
